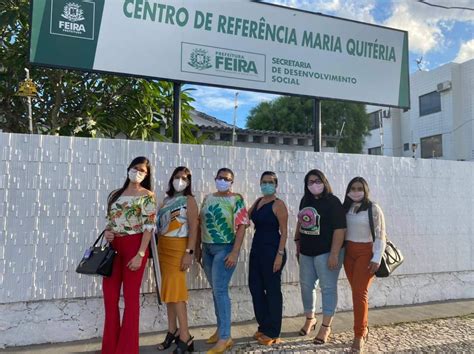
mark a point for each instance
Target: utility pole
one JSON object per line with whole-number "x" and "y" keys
{"x": 235, "y": 118}
{"x": 28, "y": 89}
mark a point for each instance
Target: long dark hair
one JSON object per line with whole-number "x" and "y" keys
{"x": 146, "y": 183}
{"x": 365, "y": 203}
{"x": 307, "y": 194}
{"x": 188, "y": 190}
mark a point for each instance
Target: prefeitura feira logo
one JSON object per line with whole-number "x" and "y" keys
{"x": 72, "y": 18}
{"x": 73, "y": 13}
{"x": 215, "y": 61}
{"x": 200, "y": 59}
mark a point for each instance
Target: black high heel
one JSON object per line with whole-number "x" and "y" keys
{"x": 319, "y": 341}
{"x": 170, "y": 338}
{"x": 303, "y": 332}
{"x": 184, "y": 347}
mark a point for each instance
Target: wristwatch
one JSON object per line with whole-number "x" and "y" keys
{"x": 281, "y": 253}
{"x": 141, "y": 254}
{"x": 189, "y": 251}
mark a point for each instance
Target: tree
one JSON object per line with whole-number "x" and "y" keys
{"x": 80, "y": 103}
{"x": 294, "y": 114}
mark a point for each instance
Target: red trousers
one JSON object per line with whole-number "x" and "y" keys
{"x": 123, "y": 338}
{"x": 356, "y": 264}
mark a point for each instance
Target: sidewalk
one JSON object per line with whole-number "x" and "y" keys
{"x": 443, "y": 326}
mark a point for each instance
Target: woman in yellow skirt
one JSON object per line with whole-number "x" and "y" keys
{"x": 177, "y": 231}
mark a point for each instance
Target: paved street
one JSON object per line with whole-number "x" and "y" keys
{"x": 435, "y": 327}
{"x": 445, "y": 335}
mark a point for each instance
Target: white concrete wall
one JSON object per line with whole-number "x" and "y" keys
{"x": 52, "y": 205}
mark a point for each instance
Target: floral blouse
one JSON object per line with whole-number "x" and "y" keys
{"x": 220, "y": 218}
{"x": 132, "y": 214}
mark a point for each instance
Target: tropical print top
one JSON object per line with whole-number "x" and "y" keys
{"x": 220, "y": 218}
{"x": 172, "y": 220}
{"x": 131, "y": 215}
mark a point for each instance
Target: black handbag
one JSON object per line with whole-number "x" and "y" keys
{"x": 98, "y": 259}
{"x": 392, "y": 257}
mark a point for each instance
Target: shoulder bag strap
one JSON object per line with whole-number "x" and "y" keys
{"x": 99, "y": 239}
{"x": 371, "y": 222}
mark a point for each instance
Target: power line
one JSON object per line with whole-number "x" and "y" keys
{"x": 446, "y": 7}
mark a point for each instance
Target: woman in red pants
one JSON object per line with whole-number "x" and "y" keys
{"x": 363, "y": 256}
{"x": 131, "y": 214}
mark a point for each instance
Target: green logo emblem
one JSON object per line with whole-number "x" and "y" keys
{"x": 73, "y": 18}
{"x": 200, "y": 59}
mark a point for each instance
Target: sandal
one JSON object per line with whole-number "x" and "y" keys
{"x": 360, "y": 348}
{"x": 269, "y": 341}
{"x": 170, "y": 338}
{"x": 184, "y": 347}
{"x": 213, "y": 339}
{"x": 319, "y": 341}
{"x": 303, "y": 332}
{"x": 257, "y": 335}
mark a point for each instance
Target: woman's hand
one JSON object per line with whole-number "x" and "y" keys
{"x": 135, "y": 263}
{"x": 109, "y": 236}
{"x": 231, "y": 259}
{"x": 186, "y": 261}
{"x": 333, "y": 261}
{"x": 277, "y": 263}
{"x": 373, "y": 267}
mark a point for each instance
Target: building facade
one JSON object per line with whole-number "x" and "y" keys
{"x": 218, "y": 132}
{"x": 438, "y": 125}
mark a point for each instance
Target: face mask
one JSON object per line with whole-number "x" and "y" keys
{"x": 316, "y": 189}
{"x": 136, "y": 176}
{"x": 356, "y": 196}
{"x": 223, "y": 185}
{"x": 268, "y": 188}
{"x": 179, "y": 185}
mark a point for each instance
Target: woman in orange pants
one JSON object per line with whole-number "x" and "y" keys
{"x": 363, "y": 256}
{"x": 131, "y": 214}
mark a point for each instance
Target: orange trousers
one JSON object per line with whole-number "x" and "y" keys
{"x": 356, "y": 264}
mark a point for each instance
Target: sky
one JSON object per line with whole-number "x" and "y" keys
{"x": 436, "y": 36}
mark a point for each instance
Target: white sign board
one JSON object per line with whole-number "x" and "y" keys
{"x": 238, "y": 44}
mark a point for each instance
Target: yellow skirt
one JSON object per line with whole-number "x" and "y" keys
{"x": 173, "y": 280}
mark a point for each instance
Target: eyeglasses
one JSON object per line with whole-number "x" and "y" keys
{"x": 227, "y": 179}
{"x": 315, "y": 181}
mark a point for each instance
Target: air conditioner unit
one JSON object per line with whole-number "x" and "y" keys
{"x": 444, "y": 86}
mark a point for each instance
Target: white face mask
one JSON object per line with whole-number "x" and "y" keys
{"x": 136, "y": 176}
{"x": 356, "y": 196}
{"x": 179, "y": 185}
{"x": 223, "y": 185}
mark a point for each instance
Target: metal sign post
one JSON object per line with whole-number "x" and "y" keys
{"x": 317, "y": 125}
{"x": 177, "y": 112}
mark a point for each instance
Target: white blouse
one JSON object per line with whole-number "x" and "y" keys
{"x": 358, "y": 229}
